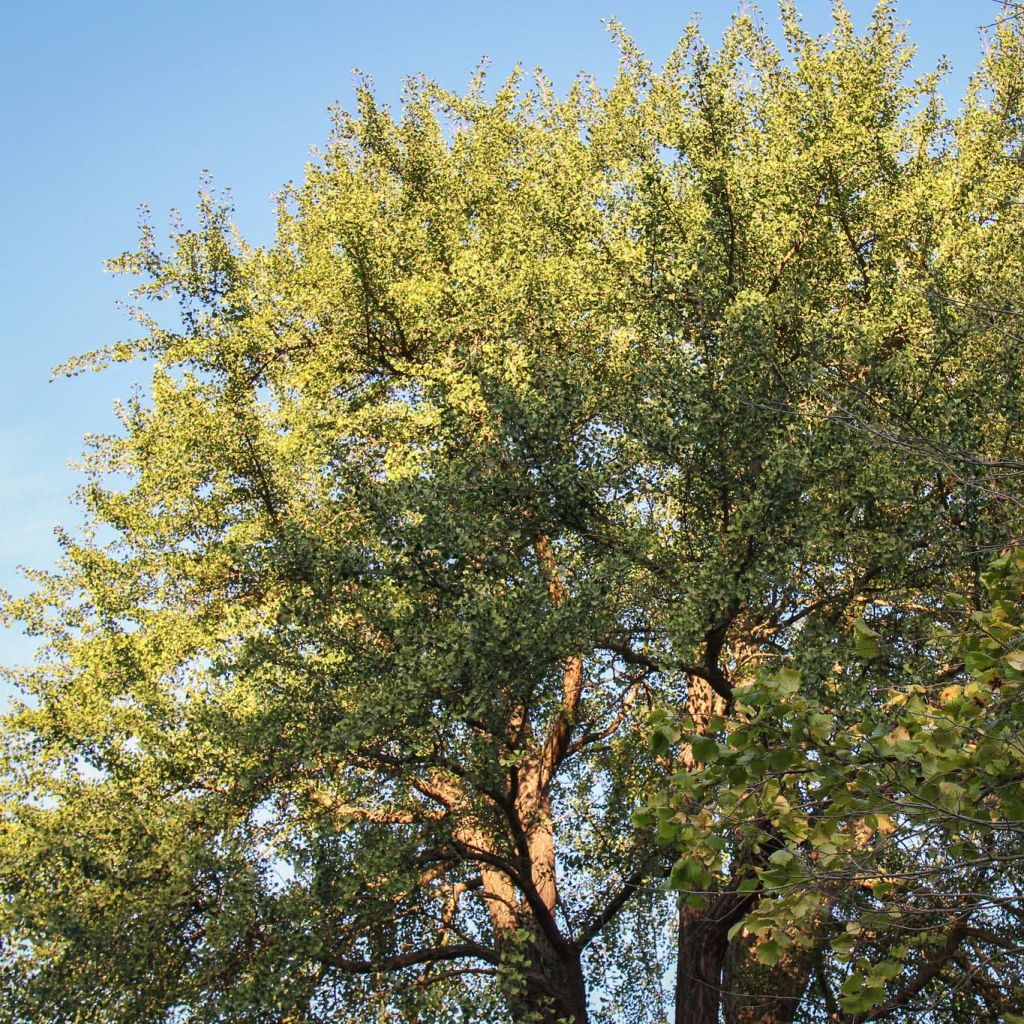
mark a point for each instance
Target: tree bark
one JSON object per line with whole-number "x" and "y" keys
{"x": 541, "y": 970}
{"x": 699, "y": 962}
{"x": 701, "y": 955}
{"x": 703, "y": 933}
{"x": 757, "y": 994}
{"x": 544, "y": 985}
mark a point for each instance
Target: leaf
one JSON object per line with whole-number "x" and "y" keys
{"x": 643, "y": 818}
{"x": 820, "y": 726}
{"x": 865, "y": 640}
{"x": 786, "y": 682}
{"x": 863, "y": 629}
{"x": 661, "y": 738}
{"x": 704, "y": 749}
{"x": 887, "y": 969}
{"x": 687, "y": 873}
{"x": 978, "y": 661}
{"x": 884, "y": 823}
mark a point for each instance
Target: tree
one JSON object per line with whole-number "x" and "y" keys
{"x": 540, "y": 413}
{"x": 881, "y": 844}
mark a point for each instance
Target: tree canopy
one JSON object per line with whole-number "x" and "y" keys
{"x": 568, "y": 464}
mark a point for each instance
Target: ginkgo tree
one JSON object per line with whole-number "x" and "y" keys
{"x": 541, "y": 413}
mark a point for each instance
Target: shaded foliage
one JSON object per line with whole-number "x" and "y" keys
{"x": 539, "y": 413}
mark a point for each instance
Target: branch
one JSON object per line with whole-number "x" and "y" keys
{"x": 989, "y": 991}
{"x": 847, "y": 231}
{"x": 923, "y": 978}
{"x": 714, "y": 641}
{"x": 538, "y": 907}
{"x": 456, "y": 951}
{"x": 556, "y": 744}
{"x": 713, "y": 676}
{"x": 629, "y": 888}
{"x": 628, "y": 699}
{"x": 973, "y": 932}
{"x": 831, "y": 1004}
{"x": 376, "y": 815}
{"x": 629, "y": 656}
{"x": 263, "y": 487}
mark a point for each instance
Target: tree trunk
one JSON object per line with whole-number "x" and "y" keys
{"x": 702, "y": 936}
{"x": 544, "y": 975}
{"x": 701, "y": 956}
{"x": 544, "y": 987}
{"x": 757, "y": 994}
{"x": 699, "y": 963}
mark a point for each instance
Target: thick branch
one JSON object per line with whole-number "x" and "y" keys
{"x": 456, "y": 951}
{"x": 376, "y": 815}
{"x": 556, "y": 744}
{"x": 924, "y": 977}
{"x": 538, "y": 907}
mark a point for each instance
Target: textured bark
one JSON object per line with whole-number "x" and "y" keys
{"x": 702, "y": 704}
{"x": 754, "y": 993}
{"x": 703, "y": 940}
{"x": 547, "y": 987}
{"x": 545, "y": 977}
{"x": 701, "y": 955}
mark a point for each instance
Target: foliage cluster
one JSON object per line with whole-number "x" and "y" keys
{"x": 541, "y": 414}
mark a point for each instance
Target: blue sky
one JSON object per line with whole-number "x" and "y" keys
{"x": 106, "y": 105}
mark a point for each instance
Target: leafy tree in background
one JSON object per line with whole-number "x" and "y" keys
{"x": 540, "y": 414}
{"x": 882, "y": 843}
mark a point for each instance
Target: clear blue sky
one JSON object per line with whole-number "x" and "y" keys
{"x": 108, "y": 104}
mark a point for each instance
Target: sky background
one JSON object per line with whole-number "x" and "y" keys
{"x": 107, "y": 105}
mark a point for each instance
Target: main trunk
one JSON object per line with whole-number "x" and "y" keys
{"x": 702, "y": 934}
{"x": 701, "y": 956}
{"x": 757, "y": 994}
{"x": 542, "y": 971}
{"x": 699, "y": 962}
{"x": 544, "y": 987}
